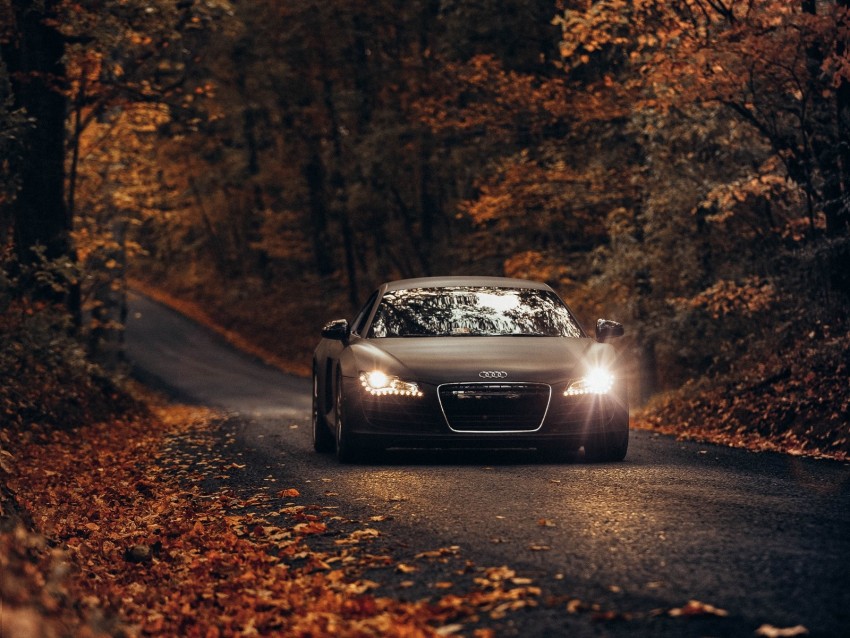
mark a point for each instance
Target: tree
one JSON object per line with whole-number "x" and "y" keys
{"x": 134, "y": 71}
{"x": 781, "y": 67}
{"x": 313, "y": 142}
{"x": 13, "y": 128}
{"x": 33, "y": 56}
{"x": 736, "y": 107}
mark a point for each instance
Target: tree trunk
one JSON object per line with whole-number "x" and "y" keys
{"x": 314, "y": 176}
{"x": 35, "y": 65}
{"x": 842, "y": 107}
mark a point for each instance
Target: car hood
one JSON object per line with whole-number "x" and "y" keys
{"x": 439, "y": 360}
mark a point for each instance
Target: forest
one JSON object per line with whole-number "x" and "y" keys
{"x": 682, "y": 167}
{"x": 679, "y": 166}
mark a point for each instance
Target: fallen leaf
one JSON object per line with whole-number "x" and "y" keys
{"x": 769, "y": 631}
{"x": 361, "y": 587}
{"x": 574, "y": 606}
{"x": 357, "y": 535}
{"x": 313, "y": 527}
{"x": 697, "y": 608}
{"x": 406, "y": 569}
{"x": 290, "y": 493}
{"x": 500, "y": 573}
{"x": 439, "y": 553}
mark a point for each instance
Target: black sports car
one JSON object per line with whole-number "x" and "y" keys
{"x": 468, "y": 362}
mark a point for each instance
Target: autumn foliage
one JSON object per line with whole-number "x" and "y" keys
{"x": 683, "y": 167}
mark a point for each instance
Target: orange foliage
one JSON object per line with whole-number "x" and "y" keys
{"x": 528, "y": 194}
{"x": 697, "y": 51}
{"x": 532, "y": 264}
{"x": 479, "y": 96}
{"x": 746, "y": 299}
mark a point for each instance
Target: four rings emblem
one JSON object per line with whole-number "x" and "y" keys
{"x": 492, "y": 374}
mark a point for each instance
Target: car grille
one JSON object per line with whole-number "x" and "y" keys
{"x": 495, "y": 407}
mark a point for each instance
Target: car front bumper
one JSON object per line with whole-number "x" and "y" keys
{"x": 507, "y": 422}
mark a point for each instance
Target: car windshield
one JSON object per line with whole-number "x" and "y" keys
{"x": 462, "y": 311}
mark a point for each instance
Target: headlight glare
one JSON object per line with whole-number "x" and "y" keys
{"x": 378, "y": 383}
{"x": 377, "y": 380}
{"x": 596, "y": 381}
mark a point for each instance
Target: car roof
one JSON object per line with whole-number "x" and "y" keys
{"x": 464, "y": 280}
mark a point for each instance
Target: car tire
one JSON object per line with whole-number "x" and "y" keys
{"x": 611, "y": 444}
{"x": 346, "y": 450}
{"x": 323, "y": 438}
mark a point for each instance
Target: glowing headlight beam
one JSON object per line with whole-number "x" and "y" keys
{"x": 378, "y": 383}
{"x": 597, "y": 381}
{"x": 377, "y": 380}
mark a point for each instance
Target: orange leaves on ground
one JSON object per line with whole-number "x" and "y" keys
{"x": 769, "y": 631}
{"x": 796, "y": 402}
{"x": 311, "y": 527}
{"x": 173, "y": 560}
{"x": 697, "y": 608}
{"x": 358, "y": 535}
{"x": 440, "y": 553}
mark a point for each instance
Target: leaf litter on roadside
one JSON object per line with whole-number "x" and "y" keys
{"x": 171, "y": 557}
{"x": 149, "y": 531}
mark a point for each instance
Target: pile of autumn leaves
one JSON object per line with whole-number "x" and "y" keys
{"x": 124, "y": 548}
{"x": 794, "y": 400}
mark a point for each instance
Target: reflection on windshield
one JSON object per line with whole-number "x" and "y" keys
{"x": 472, "y": 312}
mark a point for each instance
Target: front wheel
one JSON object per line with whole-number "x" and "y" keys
{"x": 323, "y": 440}
{"x": 346, "y": 450}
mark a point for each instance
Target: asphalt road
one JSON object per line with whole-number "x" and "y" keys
{"x": 763, "y": 536}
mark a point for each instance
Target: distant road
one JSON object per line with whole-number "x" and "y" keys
{"x": 193, "y": 363}
{"x": 763, "y": 536}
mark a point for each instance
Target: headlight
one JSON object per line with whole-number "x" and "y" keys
{"x": 597, "y": 381}
{"x": 378, "y": 383}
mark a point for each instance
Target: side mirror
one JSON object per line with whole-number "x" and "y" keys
{"x": 336, "y": 330}
{"x": 607, "y": 329}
